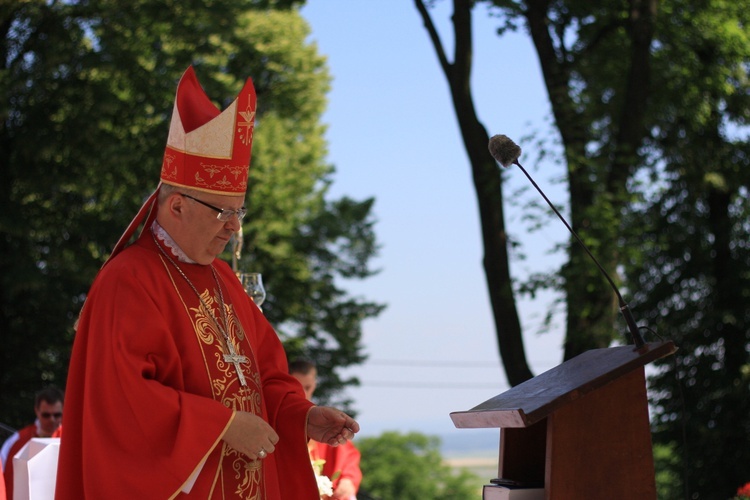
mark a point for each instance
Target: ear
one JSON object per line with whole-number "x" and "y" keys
{"x": 176, "y": 205}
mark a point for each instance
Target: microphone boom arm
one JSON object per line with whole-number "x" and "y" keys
{"x": 624, "y": 309}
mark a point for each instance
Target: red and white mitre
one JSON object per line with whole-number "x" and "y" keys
{"x": 207, "y": 149}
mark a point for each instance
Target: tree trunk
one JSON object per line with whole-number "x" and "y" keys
{"x": 597, "y": 186}
{"x": 488, "y": 186}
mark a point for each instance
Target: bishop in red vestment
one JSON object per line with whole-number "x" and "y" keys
{"x": 178, "y": 386}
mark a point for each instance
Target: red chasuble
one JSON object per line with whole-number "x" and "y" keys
{"x": 150, "y": 393}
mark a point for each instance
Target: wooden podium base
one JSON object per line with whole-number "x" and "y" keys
{"x": 581, "y": 429}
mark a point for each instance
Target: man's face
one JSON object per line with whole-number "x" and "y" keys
{"x": 50, "y": 417}
{"x": 202, "y": 236}
{"x": 309, "y": 382}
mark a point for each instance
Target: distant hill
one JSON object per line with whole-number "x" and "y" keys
{"x": 470, "y": 442}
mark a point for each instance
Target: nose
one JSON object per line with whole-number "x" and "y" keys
{"x": 233, "y": 224}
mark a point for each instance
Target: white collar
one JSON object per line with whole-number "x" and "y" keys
{"x": 165, "y": 238}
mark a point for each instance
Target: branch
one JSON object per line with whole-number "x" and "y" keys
{"x": 463, "y": 51}
{"x": 434, "y": 37}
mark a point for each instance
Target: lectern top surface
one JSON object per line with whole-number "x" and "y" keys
{"x": 534, "y": 399}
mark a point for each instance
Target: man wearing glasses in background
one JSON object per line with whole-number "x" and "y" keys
{"x": 48, "y": 406}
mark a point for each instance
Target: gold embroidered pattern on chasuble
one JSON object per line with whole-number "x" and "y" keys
{"x": 247, "y": 475}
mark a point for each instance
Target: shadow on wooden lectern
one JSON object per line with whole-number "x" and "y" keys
{"x": 581, "y": 429}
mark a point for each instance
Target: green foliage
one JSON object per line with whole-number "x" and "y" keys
{"x": 594, "y": 61}
{"x": 652, "y": 102}
{"x": 694, "y": 289}
{"x": 693, "y": 269}
{"x": 90, "y": 88}
{"x": 409, "y": 466}
{"x": 667, "y": 478}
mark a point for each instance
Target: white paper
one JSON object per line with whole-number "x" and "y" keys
{"x": 35, "y": 469}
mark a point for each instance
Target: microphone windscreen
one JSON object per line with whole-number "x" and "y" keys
{"x": 505, "y": 151}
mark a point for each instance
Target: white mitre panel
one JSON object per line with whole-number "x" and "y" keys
{"x": 176, "y": 137}
{"x": 212, "y": 140}
{"x": 215, "y": 138}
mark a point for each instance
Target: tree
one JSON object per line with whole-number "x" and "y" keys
{"x": 693, "y": 272}
{"x": 651, "y": 102}
{"x": 304, "y": 244}
{"x": 90, "y": 87}
{"x": 599, "y": 103}
{"x": 600, "y": 143}
{"x": 409, "y": 466}
{"x": 488, "y": 186}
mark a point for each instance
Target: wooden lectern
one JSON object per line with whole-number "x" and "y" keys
{"x": 581, "y": 429}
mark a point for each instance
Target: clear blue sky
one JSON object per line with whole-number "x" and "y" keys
{"x": 393, "y": 136}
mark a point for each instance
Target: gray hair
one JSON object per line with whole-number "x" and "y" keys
{"x": 167, "y": 190}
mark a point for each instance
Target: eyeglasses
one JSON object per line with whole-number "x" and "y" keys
{"x": 224, "y": 215}
{"x": 51, "y": 415}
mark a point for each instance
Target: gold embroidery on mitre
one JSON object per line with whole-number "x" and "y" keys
{"x": 224, "y": 183}
{"x": 245, "y": 128}
{"x": 168, "y": 168}
{"x": 211, "y": 169}
{"x": 221, "y": 184}
{"x": 237, "y": 170}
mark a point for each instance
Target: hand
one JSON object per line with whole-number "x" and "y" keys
{"x": 345, "y": 489}
{"x": 249, "y": 434}
{"x": 330, "y": 426}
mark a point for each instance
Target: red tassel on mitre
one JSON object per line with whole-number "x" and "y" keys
{"x": 207, "y": 150}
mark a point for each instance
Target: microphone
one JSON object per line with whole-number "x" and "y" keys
{"x": 507, "y": 152}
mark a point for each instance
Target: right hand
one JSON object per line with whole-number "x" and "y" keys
{"x": 248, "y": 434}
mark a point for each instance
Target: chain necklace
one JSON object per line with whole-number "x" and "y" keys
{"x": 233, "y": 357}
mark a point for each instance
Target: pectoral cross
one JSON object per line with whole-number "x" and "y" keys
{"x": 236, "y": 359}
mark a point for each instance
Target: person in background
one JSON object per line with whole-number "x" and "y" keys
{"x": 178, "y": 385}
{"x": 48, "y": 407}
{"x": 342, "y": 462}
